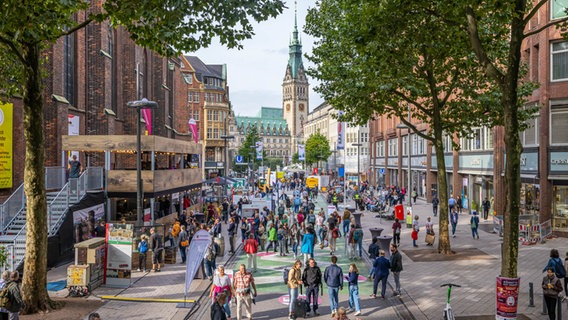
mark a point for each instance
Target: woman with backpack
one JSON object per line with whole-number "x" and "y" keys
{"x": 556, "y": 264}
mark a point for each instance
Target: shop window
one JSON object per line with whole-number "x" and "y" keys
{"x": 559, "y": 60}
{"x": 560, "y": 209}
{"x": 558, "y": 127}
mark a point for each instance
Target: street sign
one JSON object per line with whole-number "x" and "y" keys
{"x": 382, "y": 171}
{"x": 239, "y": 159}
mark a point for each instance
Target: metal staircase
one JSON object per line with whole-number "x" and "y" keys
{"x": 13, "y": 210}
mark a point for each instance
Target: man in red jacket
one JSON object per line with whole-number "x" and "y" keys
{"x": 251, "y": 248}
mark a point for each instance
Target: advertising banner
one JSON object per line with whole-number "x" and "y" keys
{"x": 119, "y": 254}
{"x": 194, "y": 130}
{"x": 85, "y": 221}
{"x": 301, "y": 152}
{"x": 6, "y": 145}
{"x": 258, "y": 150}
{"x": 340, "y": 132}
{"x": 507, "y": 293}
{"x": 73, "y": 127}
{"x": 197, "y": 247}
{"x": 147, "y": 115}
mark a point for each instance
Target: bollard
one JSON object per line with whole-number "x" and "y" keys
{"x": 559, "y": 308}
{"x": 531, "y": 295}
{"x": 544, "y": 311}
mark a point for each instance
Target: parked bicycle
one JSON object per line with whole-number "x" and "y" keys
{"x": 448, "y": 313}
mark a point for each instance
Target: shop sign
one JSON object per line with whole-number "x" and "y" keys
{"x": 559, "y": 161}
{"x": 483, "y": 161}
{"x": 449, "y": 159}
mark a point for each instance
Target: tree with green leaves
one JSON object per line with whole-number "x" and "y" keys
{"x": 317, "y": 148}
{"x": 248, "y": 147}
{"x": 397, "y": 59}
{"x": 28, "y": 28}
{"x": 296, "y": 158}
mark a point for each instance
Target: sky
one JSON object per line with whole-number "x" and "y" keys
{"x": 255, "y": 73}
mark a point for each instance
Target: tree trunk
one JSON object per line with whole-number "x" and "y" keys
{"x": 34, "y": 281}
{"x": 444, "y": 246}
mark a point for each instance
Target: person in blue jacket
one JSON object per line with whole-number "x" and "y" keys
{"x": 382, "y": 267}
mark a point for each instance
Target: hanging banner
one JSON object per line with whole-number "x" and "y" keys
{"x": 507, "y": 294}
{"x": 147, "y": 114}
{"x": 301, "y": 152}
{"x": 340, "y": 132}
{"x": 199, "y": 243}
{"x": 73, "y": 126}
{"x": 259, "y": 150}
{"x": 6, "y": 145}
{"x": 119, "y": 254}
{"x": 194, "y": 130}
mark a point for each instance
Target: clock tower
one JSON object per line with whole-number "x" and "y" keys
{"x": 295, "y": 91}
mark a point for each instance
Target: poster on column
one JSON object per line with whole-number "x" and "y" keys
{"x": 119, "y": 254}
{"x": 507, "y": 295}
{"x": 6, "y": 145}
{"x": 73, "y": 125}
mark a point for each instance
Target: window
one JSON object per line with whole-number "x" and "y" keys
{"x": 381, "y": 148}
{"x": 69, "y": 68}
{"x": 215, "y": 133}
{"x": 414, "y": 144}
{"x": 558, "y": 8}
{"x": 209, "y": 133}
{"x": 477, "y": 139}
{"x": 558, "y": 127}
{"x": 393, "y": 148}
{"x": 405, "y": 145}
{"x": 447, "y": 143}
{"x": 529, "y": 137}
{"x": 559, "y": 60}
{"x": 421, "y": 145}
{"x": 196, "y": 97}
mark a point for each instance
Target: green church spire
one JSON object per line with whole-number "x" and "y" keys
{"x": 295, "y": 60}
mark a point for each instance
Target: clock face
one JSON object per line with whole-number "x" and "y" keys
{"x": 287, "y": 107}
{"x": 301, "y": 107}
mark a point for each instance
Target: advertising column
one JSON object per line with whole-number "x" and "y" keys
{"x": 507, "y": 294}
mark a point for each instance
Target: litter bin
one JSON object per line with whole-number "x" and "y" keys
{"x": 221, "y": 242}
{"x": 399, "y": 212}
{"x": 375, "y": 232}
{"x": 384, "y": 244}
{"x": 357, "y": 216}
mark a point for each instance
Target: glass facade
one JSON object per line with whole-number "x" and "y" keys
{"x": 560, "y": 209}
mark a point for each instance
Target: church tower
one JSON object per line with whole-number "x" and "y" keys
{"x": 295, "y": 91}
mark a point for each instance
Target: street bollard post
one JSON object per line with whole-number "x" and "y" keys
{"x": 531, "y": 294}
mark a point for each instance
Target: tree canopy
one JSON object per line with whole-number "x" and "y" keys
{"x": 317, "y": 148}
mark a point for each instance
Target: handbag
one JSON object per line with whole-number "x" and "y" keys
{"x": 430, "y": 238}
{"x": 184, "y": 243}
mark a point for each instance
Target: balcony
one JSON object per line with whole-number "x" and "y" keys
{"x": 154, "y": 182}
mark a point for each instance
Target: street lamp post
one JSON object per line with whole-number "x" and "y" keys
{"x": 139, "y": 105}
{"x": 409, "y": 183}
{"x": 226, "y": 137}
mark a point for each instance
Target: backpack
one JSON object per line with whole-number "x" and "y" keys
{"x": 559, "y": 269}
{"x": 285, "y": 273}
{"x": 143, "y": 247}
{"x": 473, "y": 223}
{"x": 297, "y": 201}
{"x": 311, "y": 219}
{"x": 335, "y": 233}
{"x": 357, "y": 235}
{"x": 7, "y": 299}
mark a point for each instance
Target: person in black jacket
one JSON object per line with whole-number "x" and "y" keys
{"x": 396, "y": 267}
{"x": 311, "y": 277}
{"x": 217, "y": 311}
{"x": 373, "y": 254}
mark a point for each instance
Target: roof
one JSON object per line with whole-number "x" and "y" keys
{"x": 295, "y": 60}
{"x": 268, "y": 118}
{"x": 206, "y": 70}
{"x": 270, "y": 112}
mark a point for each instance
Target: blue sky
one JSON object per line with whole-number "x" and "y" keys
{"x": 255, "y": 72}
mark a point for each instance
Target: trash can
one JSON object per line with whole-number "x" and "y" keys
{"x": 221, "y": 242}
{"x": 375, "y": 232}
{"x": 399, "y": 212}
{"x": 384, "y": 244}
{"x": 357, "y": 216}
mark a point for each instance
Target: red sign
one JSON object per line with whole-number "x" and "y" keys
{"x": 507, "y": 294}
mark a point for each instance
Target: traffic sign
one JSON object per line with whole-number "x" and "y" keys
{"x": 382, "y": 171}
{"x": 239, "y": 159}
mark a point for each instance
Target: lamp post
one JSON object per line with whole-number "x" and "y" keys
{"x": 226, "y": 137}
{"x": 139, "y": 105}
{"x": 408, "y": 192}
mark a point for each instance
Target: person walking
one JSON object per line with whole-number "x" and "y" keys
{"x": 414, "y": 195}
{"x": 232, "y": 232}
{"x": 294, "y": 283}
{"x": 435, "y": 203}
{"x": 282, "y": 235}
{"x": 429, "y": 231}
{"x": 415, "y": 230}
{"x": 486, "y": 205}
{"x": 373, "y": 251}
{"x": 183, "y": 243}
{"x": 209, "y": 260}
{"x": 251, "y": 249}
{"x": 222, "y": 284}
{"x": 454, "y": 221}
{"x": 474, "y": 222}
{"x": 16, "y": 296}
{"x": 551, "y": 286}
{"x": 333, "y": 277}
{"x": 245, "y": 291}
{"x": 217, "y": 310}
{"x": 346, "y": 221}
{"x": 308, "y": 242}
{"x": 395, "y": 267}
{"x": 382, "y": 267}
{"x": 352, "y": 243}
{"x": 74, "y": 167}
{"x": 157, "y": 246}
{"x": 312, "y": 279}
{"x": 353, "y": 277}
{"x": 396, "y": 228}
{"x": 333, "y": 235}
{"x": 272, "y": 238}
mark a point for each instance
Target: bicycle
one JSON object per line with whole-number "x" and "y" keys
{"x": 448, "y": 313}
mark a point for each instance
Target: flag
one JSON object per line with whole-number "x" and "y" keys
{"x": 259, "y": 150}
{"x": 301, "y": 152}
{"x": 340, "y": 132}
{"x": 147, "y": 114}
{"x": 197, "y": 247}
{"x": 194, "y": 130}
